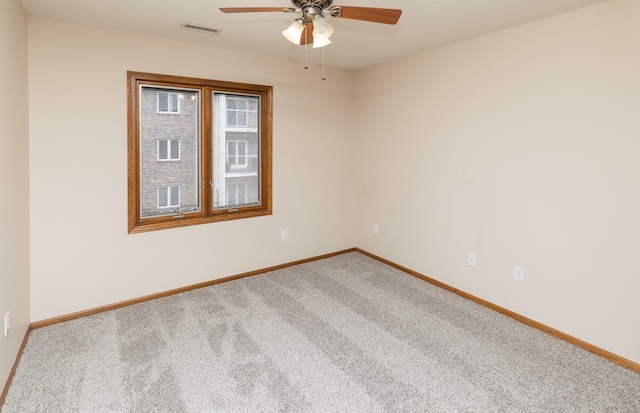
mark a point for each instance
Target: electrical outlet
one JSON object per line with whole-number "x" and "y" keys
{"x": 518, "y": 273}
{"x": 285, "y": 234}
{"x": 6, "y": 324}
{"x": 472, "y": 259}
{"x": 376, "y": 229}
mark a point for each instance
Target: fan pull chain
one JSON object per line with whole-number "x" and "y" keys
{"x": 323, "y": 77}
{"x": 306, "y": 45}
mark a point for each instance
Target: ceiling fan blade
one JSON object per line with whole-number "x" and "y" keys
{"x": 370, "y": 14}
{"x": 254, "y": 9}
{"x": 307, "y": 34}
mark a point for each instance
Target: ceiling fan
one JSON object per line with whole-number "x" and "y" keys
{"x": 311, "y": 27}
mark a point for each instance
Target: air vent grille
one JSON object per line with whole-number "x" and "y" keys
{"x": 199, "y": 28}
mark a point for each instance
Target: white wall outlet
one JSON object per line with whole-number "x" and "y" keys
{"x": 285, "y": 234}
{"x": 471, "y": 259}
{"x": 376, "y": 229}
{"x": 6, "y": 324}
{"x": 518, "y": 273}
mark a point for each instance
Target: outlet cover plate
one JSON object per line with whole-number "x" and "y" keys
{"x": 518, "y": 273}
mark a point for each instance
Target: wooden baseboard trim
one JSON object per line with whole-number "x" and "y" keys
{"x": 531, "y": 323}
{"x": 126, "y": 303}
{"x": 13, "y": 369}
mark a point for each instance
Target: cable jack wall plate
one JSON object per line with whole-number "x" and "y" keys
{"x": 471, "y": 259}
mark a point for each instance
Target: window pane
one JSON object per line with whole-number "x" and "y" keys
{"x": 174, "y": 104}
{"x": 230, "y": 150}
{"x": 163, "y": 197}
{"x": 162, "y": 149}
{"x": 241, "y": 193}
{"x": 236, "y": 165}
{"x": 172, "y": 133}
{"x": 175, "y": 149}
{"x": 175, "y": 196}
{"x": 163, "y": 102}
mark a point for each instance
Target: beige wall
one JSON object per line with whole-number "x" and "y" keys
{"x": 82, "y": 256}
{"x": 521, "y": 146}
{"x": 14, "y": 182}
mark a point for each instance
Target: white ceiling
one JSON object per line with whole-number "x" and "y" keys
{"x": 424, "y": 24}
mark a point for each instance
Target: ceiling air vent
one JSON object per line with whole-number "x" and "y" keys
{"x": 198, "y": 28}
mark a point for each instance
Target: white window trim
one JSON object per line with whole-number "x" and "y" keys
{"x": 236, "y": 185}
{"x": 168, "y": 197}
{"x": 169, "y": 111}
{"x": 235, "y": 157}
{"x": 247, "y": 112}
{"x": 169, "y": 153}
{"x": 240, "y": 174}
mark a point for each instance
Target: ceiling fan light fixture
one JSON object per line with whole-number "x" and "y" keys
{"x": 294, "y": 32}
{"x": 313, "y": 12}
{"x": 321, "y": 28}
{"x": 320, "y": 42}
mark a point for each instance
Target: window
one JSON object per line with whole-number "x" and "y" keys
{"x": 168, "y": 150}
{"x": 239, "y": 110}
{"x": 169, "y": 197}
{"x": 168, "y": 102}
{"x": 237, "y": 154}
{"x": 220, "y": 132}
{"x": 236, "y": 193}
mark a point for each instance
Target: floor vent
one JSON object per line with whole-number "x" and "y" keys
{"x": 198, "y": 28}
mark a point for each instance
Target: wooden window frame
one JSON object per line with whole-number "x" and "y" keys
{"x": 206, "y": 214}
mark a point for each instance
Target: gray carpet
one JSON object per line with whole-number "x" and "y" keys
{"x": 345, "y": 334}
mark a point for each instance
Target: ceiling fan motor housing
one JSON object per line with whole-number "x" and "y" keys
{"x": 321, "y": 4}
{"x": 311, "y": 9}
